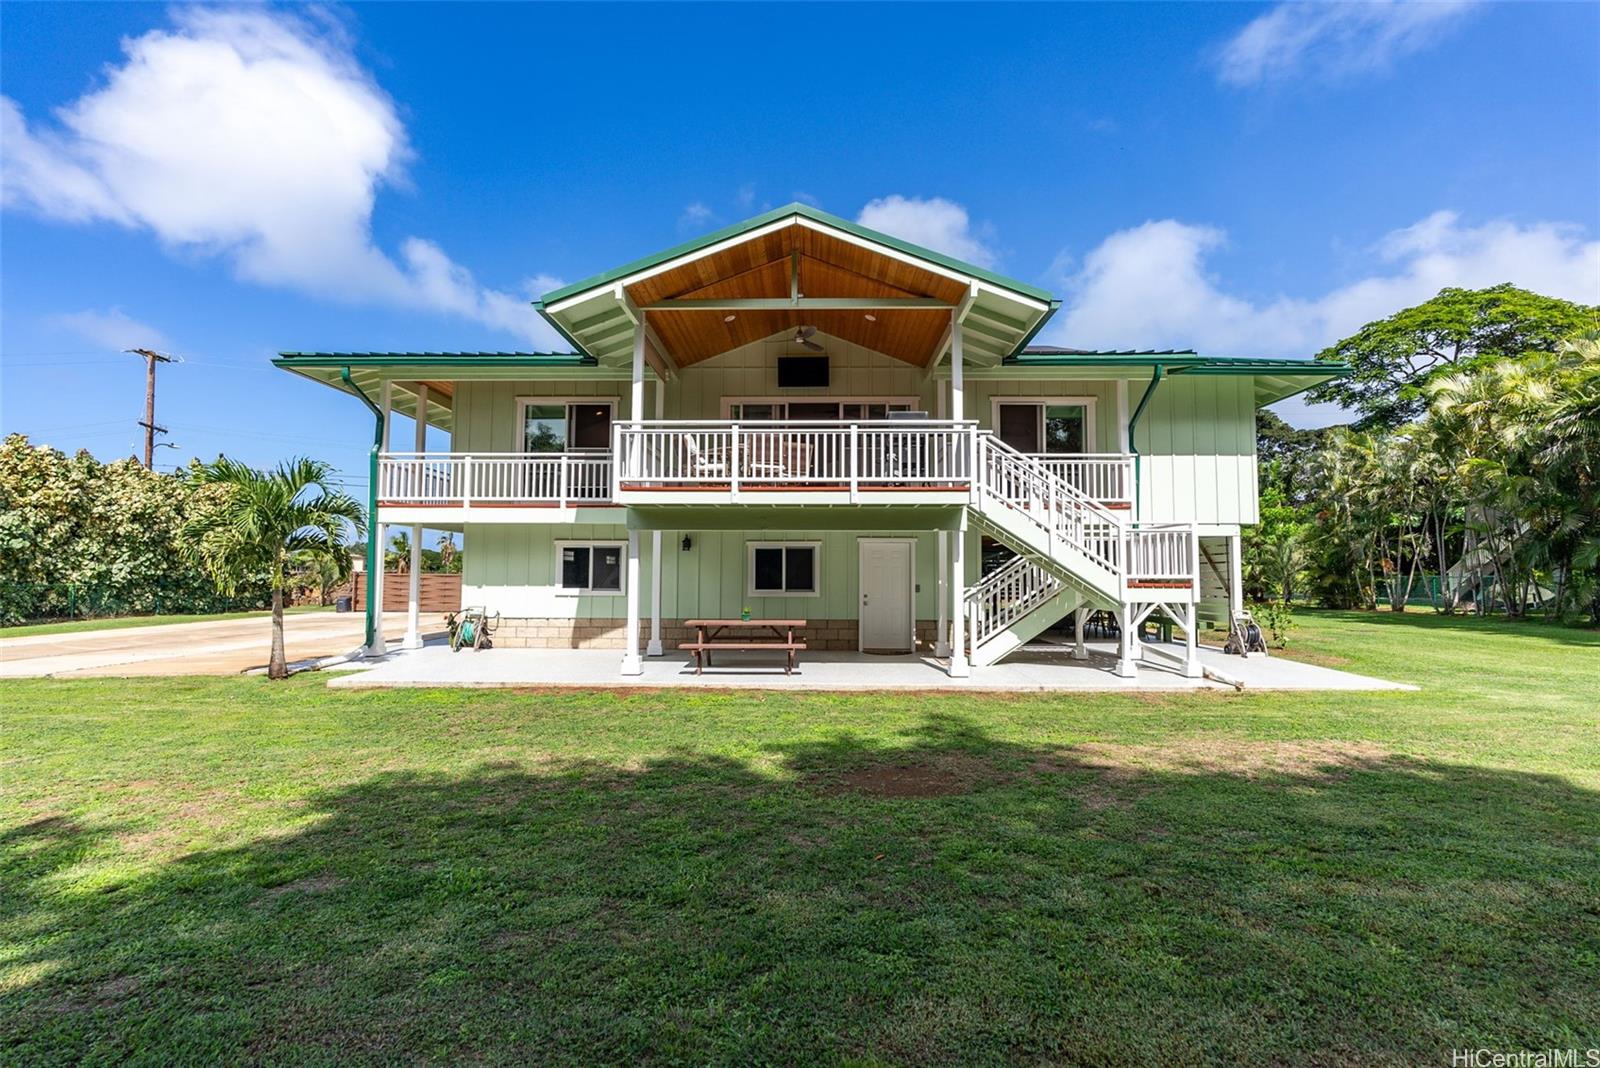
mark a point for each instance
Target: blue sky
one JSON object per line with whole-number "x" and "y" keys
{"x": 1245, "y": 179}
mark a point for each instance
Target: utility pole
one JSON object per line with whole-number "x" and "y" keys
{"x": 151, "y": 358}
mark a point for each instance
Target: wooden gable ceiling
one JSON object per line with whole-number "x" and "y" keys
{"x": 828, "y": 267}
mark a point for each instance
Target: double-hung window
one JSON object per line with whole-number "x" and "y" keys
{"x": 589, "y": 566}
{"x": 784, "y": 569}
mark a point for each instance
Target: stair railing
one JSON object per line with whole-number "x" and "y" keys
{"x": 1006, "y": 596}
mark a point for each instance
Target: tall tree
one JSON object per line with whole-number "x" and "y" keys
{"x": 1394, "y": 358}
{"x": 263, "y": 521}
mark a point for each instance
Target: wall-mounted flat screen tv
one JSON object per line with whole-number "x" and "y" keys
{"x": 802, "y": 372}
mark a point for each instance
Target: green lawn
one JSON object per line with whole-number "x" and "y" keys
{"x": 73, "y": 626}
{"x": 227, "y": 870}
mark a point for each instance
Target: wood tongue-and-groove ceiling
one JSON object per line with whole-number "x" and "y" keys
{"x": 828, "y": 268}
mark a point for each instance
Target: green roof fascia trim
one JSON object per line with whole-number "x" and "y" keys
{"x": 767, "y": 218}
{"x": 1188, "y": 364}
{"x": 1055, "y": 305}
{"x": 292, "y": 360}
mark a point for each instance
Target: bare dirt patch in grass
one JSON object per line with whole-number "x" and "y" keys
{"x": 942, "y": 776}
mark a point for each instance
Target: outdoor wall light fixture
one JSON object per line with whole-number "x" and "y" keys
{"x": 687, "y": 544}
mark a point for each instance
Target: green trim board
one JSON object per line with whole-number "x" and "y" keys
{"x": 776, "y": 215}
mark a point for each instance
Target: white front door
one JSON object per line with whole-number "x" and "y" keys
{"x": 887, "y": 617}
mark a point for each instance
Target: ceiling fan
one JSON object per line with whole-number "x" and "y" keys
{"x": 802, "y": 337}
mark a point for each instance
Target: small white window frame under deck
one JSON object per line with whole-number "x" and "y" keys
{"x": 591, "y": 545}
{"x": 750, "y": 548}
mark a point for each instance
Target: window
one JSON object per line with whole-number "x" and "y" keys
{"x": 849, "y": 409}
{"x": 783, "y": 569}
{"x": 590, "y": 567}
{"x": 558, "y": 425}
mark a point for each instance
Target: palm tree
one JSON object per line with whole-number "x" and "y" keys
{"x": 261, "y": 521}
{"x": 447, "y": 550}
{"x": 400, "y": 558}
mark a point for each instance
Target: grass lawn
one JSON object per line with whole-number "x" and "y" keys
{"x": 73, "y": 626}
{"x": 226, "y": 870}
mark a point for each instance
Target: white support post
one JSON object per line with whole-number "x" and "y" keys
{"x": 1191, "y": 643}
{"x": 959, "y": 668}
{"x": 1126, "y": 667}
{"x": 413, "y": 638}
{"x": 380, "y": 531}
{"x": 654, "y": 648}
{"x": 1079, "y": 651}
{"x": 631, "y": 664}
{"x": 957, "y": 388}
{"x": 636, "y": 395}
{"x": 941, "y": 645}
{"x": 1235, "y": 576}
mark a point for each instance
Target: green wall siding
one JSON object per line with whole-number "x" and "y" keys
{"x": 1197, "y": 442}
{"x": 513, "y": 569}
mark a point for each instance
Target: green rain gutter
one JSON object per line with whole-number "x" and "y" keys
{"x": 1133, "y": 425}
{"x": 372, "y": 499}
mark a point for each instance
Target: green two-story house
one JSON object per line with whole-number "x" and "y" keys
{"x": 802, "y": 419}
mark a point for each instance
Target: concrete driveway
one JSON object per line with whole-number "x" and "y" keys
{"x": 220, "y": 647}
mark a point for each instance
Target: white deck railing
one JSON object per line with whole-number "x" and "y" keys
{"x": 498, "y": 477}
{"x": 1006, "y": 596}
{"x": 1162, "y": 552}
{"x": 1107, "y": 477}
{"x": 733, "y": 456}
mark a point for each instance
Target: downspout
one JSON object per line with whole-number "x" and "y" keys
{"x": 372, "y": 499}
{"x": 1133, "y": 424}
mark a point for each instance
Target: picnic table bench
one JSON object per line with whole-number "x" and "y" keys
{"x": 710, "y": 636}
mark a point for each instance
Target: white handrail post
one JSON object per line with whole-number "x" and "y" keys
{"x": 563, "y": 483}
{"x": 733, "y": 461}
{"x": 854, "y": 460}
{"x": 466, "y": 481}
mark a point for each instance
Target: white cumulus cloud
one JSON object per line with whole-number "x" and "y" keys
{"x": 932, "y": 222}
{"x": 1148, "y": 286}
{"x": 112, "y": 328}
{"x": 253, "y": 135}
{"x": 1332, "y": 40}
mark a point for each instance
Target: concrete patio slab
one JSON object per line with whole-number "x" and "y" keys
{"x": 1037, "y": 668}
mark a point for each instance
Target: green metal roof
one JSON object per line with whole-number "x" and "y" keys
{"x": 806, "y": 211}
{"x": 1186, "y": 360}
{"x": 427, "y": 359}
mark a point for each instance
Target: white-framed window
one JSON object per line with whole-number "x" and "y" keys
{"x": 783, "y": 568}
{"x": 832, "y": 409}
{"x": 565, "y": 424}
{"x": 1046, "y": 424}
{"x": 591, "y": 567}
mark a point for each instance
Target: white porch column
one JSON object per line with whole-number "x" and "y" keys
{"x": 414, "y": 602}
{"x": 941, "y": 641}
{"x": 1235, "y": 575}
{"x": 380, "y": 531}
{"x": 959, "y": 668}
{"x": 636, "y": 395}
{"x": 1191, "y": 643}
{"x": 956, "y": 387}
{"x": 654, "y": 648}
{"x": 1126, "y": 660}
{"x": 1079, "y": 651}
{"x": 631, "y": 664}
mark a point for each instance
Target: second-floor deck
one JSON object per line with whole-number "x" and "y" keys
{"x": 729, "y": 462}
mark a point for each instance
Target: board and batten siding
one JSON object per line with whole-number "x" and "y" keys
{"x": 514, "y": 570}
{"x": 1197, "y": 443}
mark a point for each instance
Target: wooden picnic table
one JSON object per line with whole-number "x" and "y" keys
{"x": 710, "y": 635}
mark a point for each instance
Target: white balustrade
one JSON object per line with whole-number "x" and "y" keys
{"x": 1107, "y": 477}
{"x": 752, "y": 456}
{"x": 468, "y": 478}
{"x": 1006, "y": 595}
{"x": 1161, "y": 552}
